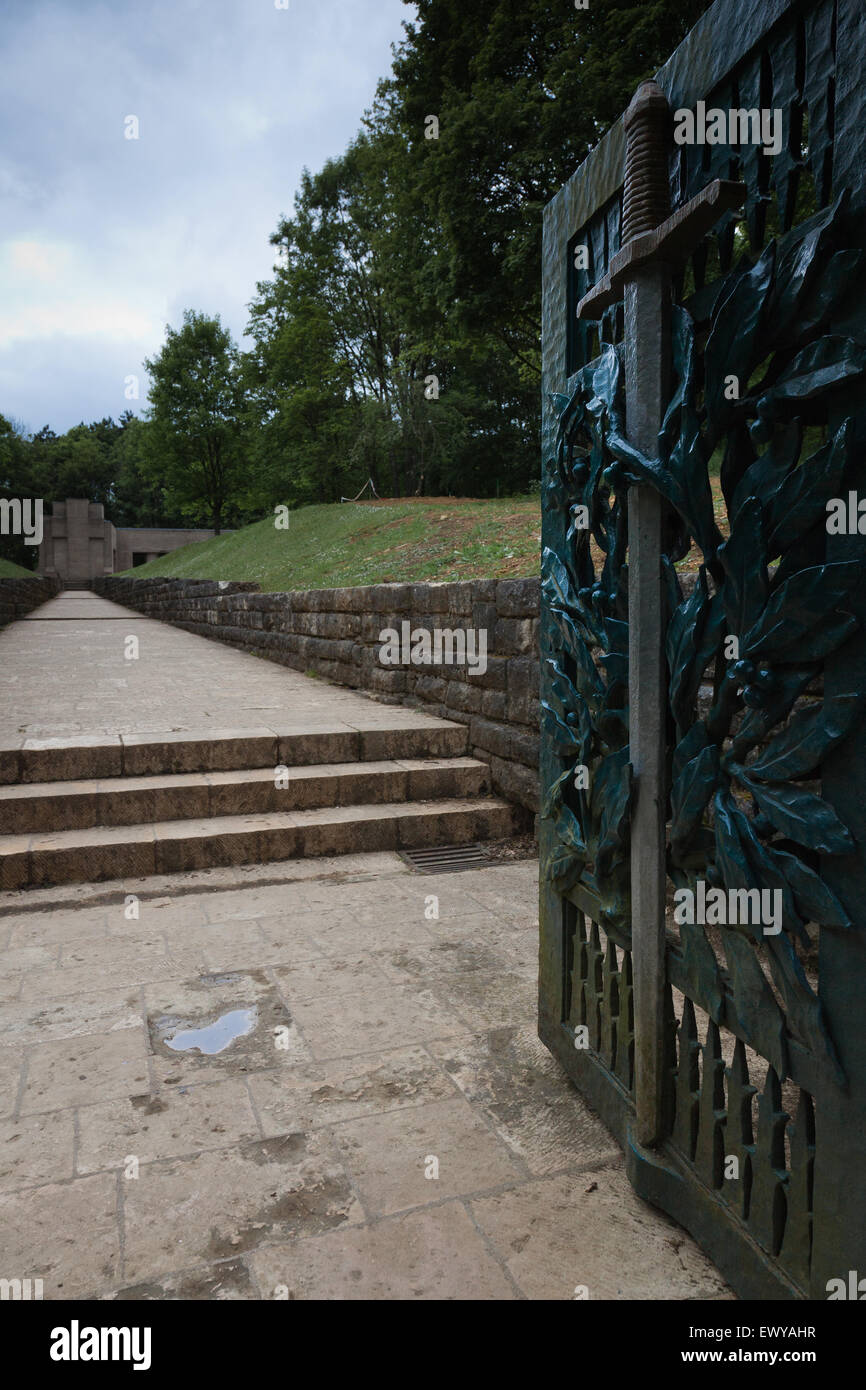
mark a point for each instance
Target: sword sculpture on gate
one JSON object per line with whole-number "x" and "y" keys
{"x": 653, "y": 242}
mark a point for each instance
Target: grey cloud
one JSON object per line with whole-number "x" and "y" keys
{"x": 106, "y": 239}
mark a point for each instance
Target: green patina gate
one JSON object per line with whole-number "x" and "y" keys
{"x": 704, "y": 1044}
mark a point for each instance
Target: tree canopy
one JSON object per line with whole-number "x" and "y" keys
{"x": 400, "y": 334}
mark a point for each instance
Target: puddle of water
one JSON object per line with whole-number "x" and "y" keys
{"x": 217, "y": 1036}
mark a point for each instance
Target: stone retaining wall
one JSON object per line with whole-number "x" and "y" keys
{"x": 18, "y": 597}
{"x": 335, "y": 633}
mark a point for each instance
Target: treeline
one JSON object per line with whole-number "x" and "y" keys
{"x": 399, "y": 337}
{"x": 103, "y": 461}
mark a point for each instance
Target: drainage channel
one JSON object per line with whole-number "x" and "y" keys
{"x": 446, "y": 859}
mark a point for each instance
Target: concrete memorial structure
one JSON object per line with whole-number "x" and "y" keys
{"x": 79, "y": 545}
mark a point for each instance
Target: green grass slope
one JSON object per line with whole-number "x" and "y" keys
{"x": 347, "y": 544}
{"x": 10, "y": 571}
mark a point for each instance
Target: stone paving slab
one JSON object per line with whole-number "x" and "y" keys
{"x": 433, "y": 1254}
{"x": 67, "y": 1233}
{"x": 64, "y": 674}
{"x": 390, "y": 1127}
{"x": 589, "y": 1231}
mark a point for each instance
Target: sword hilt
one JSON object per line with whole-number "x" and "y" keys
{"x": 646, "y": 199}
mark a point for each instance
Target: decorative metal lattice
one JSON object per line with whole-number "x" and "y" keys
{"x": 768, "y": 355}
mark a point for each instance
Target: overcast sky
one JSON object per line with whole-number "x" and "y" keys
{"x": 104, "y": 239}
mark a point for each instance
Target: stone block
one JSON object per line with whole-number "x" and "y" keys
{"x": 428, "y": 598}
{"x": 374, "y": 623}
{"x": 327, "y": 625}
{"x": 516, "y": 782}
{"x": 461, "y": 597}
{"x": 496, "y": 675}
{"x": 523, "y": 677}
{"x": 391, "y": 598}
{"x": 493, "y": 704}
{"x": 9, "y": 760}
{"x": 485, "y": 590}
{"x": 514, "y": 636}
{"x": 215, "y": 751}
{"x": 430, "y": 688}
{"x": 91, "y": 856}
{"x": 335, "y": 745}
{"x": 518, "y": 598}
{"x": 14, "y": 869}
{"x": 463, "y": 696}
{"x": 485, "y": 615}
{"x": 346, "y": 673}
{"x": 70, "y": 759}
{"x": 391, "y": 679}
{"x": 490, "y": 737}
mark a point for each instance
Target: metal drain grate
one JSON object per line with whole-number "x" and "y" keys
{"x": 447, "y": 859}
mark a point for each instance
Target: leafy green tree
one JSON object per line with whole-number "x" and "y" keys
{"x": 342, "y": 359}
{"x": 410, "y": 258}
{"x": 14, "y": 459}
{"x": 74, "y": 464}
{"x": 304, "y": 418}
{"x": 195, "y": 446}
{"x": 138, "y": 499}
{"x": 522, "y": 93}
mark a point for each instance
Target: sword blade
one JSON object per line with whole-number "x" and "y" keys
{"x": 647, "y": 338}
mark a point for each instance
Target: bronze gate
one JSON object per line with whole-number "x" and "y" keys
{"x": 703, "y": 832}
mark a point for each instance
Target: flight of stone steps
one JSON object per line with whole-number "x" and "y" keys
{"x": 94, "y": 808}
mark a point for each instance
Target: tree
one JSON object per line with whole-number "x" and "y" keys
{"x": 304, "y": 417}
{"x": 138, "y": 499}
{"x": 522, "y": 93}
{"x": 195, "y": 443}
{"x": 346, "y": 380}
{"x": 410, "y": 258}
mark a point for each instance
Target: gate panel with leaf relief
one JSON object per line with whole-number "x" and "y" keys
{"x": 704, "y": 643}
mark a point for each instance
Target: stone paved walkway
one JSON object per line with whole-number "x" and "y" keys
{"x": 386, "y": 1124}
{"x": 63, "y": 672}
{"x": 390, "y": 1127}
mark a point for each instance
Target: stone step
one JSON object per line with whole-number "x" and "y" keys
{"x": 43, "y": 807}
{"x": 117, "y": 852}
{"x": 225, "y": 750}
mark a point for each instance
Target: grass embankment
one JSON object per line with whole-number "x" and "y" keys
{"x": 342, "y": 545}
{"x": 389, "y": 542}
{"x": 10, "y": 571}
